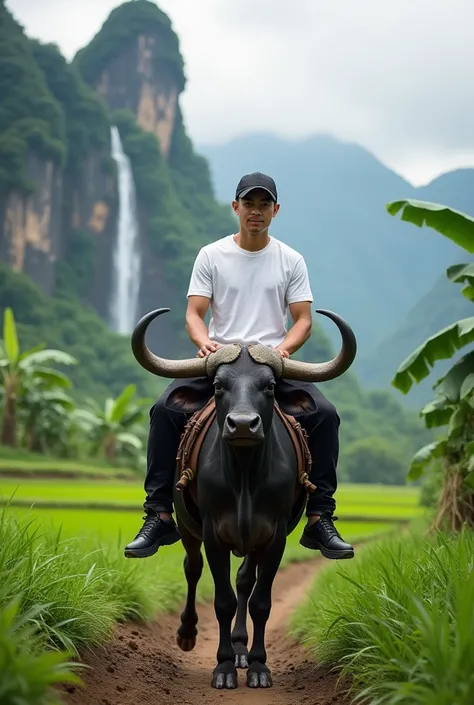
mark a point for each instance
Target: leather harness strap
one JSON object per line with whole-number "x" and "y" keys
{"x": 198, "y": 425}
{"x": 191, "y": 442}
{"x": 300, "y": 441}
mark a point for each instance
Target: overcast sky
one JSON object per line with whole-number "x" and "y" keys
{"x": 396, "y": 77}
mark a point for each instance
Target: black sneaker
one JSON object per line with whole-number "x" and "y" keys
{"x": 324, "y": 536}
{"x": 154, "y": 533}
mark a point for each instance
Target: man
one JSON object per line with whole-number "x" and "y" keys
{"x": 251, "y": 281}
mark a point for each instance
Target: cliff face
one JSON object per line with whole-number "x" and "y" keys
{"x": 36, "y": 228}
{"x": 58, "y": 189}
{"x": 135, "y": 65}
{"x": 56, "y": 181}
{"x": 137, "y": 81}
{"x": 90, "y": 207}
{"x": 137, "y": 77}
{"x": 59, "y": 201}
{"x": 30, "y": 236}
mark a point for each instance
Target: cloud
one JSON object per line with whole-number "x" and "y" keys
{"x": 392, "y": 76}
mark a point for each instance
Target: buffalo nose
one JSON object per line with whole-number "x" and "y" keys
{"x": 243, "y": 426}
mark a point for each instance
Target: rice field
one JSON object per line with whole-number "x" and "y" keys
{"x": 111, "y": 510}
{"x": 61, "y": 547}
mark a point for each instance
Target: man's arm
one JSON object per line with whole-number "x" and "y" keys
{"x": 299, "y": 297}
{"x": 195, "y": 326}
{"x": 300, "y": 331}
{"x": 199, "y": 298}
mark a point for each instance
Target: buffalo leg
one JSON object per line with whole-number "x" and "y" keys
{"x": 193, "y": 564}
{"x": 246, "y": 577}
{"x": 225, "y": 604}
{"x": 258, "y": 674}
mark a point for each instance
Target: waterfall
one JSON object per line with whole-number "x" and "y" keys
{"x": 126, "y": 256}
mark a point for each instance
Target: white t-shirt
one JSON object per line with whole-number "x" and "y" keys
{"x": 249, "y": 291}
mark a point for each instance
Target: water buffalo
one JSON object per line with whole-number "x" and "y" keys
{"x": 245, "y": 498}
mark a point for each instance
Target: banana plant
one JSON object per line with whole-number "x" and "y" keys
{"x": 46, "y": 419}
{"x": 453, "y": 405}
{"x": 459, "y": 228}
{"x": 21, "y": 370}
{"x": 118, "y": 426}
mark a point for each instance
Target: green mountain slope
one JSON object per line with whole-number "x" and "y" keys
{"x": 364, "y": 264}
{"x": 441, "y": 305}
{"x": 55, "y": 118}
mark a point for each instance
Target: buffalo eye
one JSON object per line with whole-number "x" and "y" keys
{"x": 218, "y": 386}
{"x": 270, "y": 387}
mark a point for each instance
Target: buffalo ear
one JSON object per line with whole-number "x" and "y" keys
{"x": 297, "y": 402}
{"x": 186, "y": 399}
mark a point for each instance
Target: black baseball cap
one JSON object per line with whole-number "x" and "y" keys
{"x": 256, "y": 180}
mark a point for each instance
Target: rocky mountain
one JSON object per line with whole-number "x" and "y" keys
{"x": 60, "y": 205}
{"x": 364, "y": 264}
{"x": 58, "y": 183}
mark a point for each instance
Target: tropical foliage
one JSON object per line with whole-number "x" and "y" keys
{"x": 116, "y": 428}
{"x": 39, "y": 414}
{"x": 453, "y": 405}
{"x": 27, "y": 376}
{"x": 106, "y": 365}
{"x": 398, "y": 620}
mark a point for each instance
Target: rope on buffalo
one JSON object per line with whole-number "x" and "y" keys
{"x": 191, "y": 441}
{"x": 306, "y": 461}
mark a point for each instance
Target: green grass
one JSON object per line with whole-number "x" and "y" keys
{"x": 362, "y": 502}
{"x": 74, "y": 560}
{"x": 71, "y": 592}
{"x": 78, "y": 582}
{"x": 399, "y": 620}
{"x": 64, "y": 581}
{"x": 19, "y": 461}
{"x": 120, "y": 527}
{"x": 388, "y": 511}
{"x": 27, "y": 672}
{"x": 377, "y": 494}
{"x": 113, "y": 492}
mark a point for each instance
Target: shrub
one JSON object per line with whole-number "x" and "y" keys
{"x": 399, "y": 620}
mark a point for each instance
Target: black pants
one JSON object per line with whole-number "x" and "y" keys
{"x": 166, "y": 427}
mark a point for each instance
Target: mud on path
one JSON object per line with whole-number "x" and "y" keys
{"x": 142, "y": 665}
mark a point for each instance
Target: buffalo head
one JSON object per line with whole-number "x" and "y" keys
{"x": 244, "y": 379}
{"x": 244, "y": 393}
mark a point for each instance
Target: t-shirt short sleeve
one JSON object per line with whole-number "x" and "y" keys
{"x": 201, "y": 276}
{"x": 299, "y": 288}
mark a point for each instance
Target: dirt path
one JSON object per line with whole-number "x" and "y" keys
{"x": 142, "y": 665}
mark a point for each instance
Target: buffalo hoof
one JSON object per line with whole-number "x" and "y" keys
{"x": 186, "y": 644}
{"x": 241, "y": 656}
{"x": 225, "y": 676}
{"x": 259, "y": 676}
{"x": 186, "y": 638}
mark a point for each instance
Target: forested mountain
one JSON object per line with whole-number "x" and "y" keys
{"x": 58, "y": 182}
{"x": 380, "y": 273}
{"x": 59, "y": 203}
{"x": 441, "y": 305}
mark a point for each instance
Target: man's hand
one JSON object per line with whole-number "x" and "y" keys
{"x": 283, "y": 353}
{"x": 209, "y": 347}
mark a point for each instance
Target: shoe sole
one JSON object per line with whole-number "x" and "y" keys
{"x": 147, "y": 552}
{"x": 327, "y": 553}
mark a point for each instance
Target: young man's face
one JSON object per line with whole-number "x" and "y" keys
{"x": 256, "y": 211}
